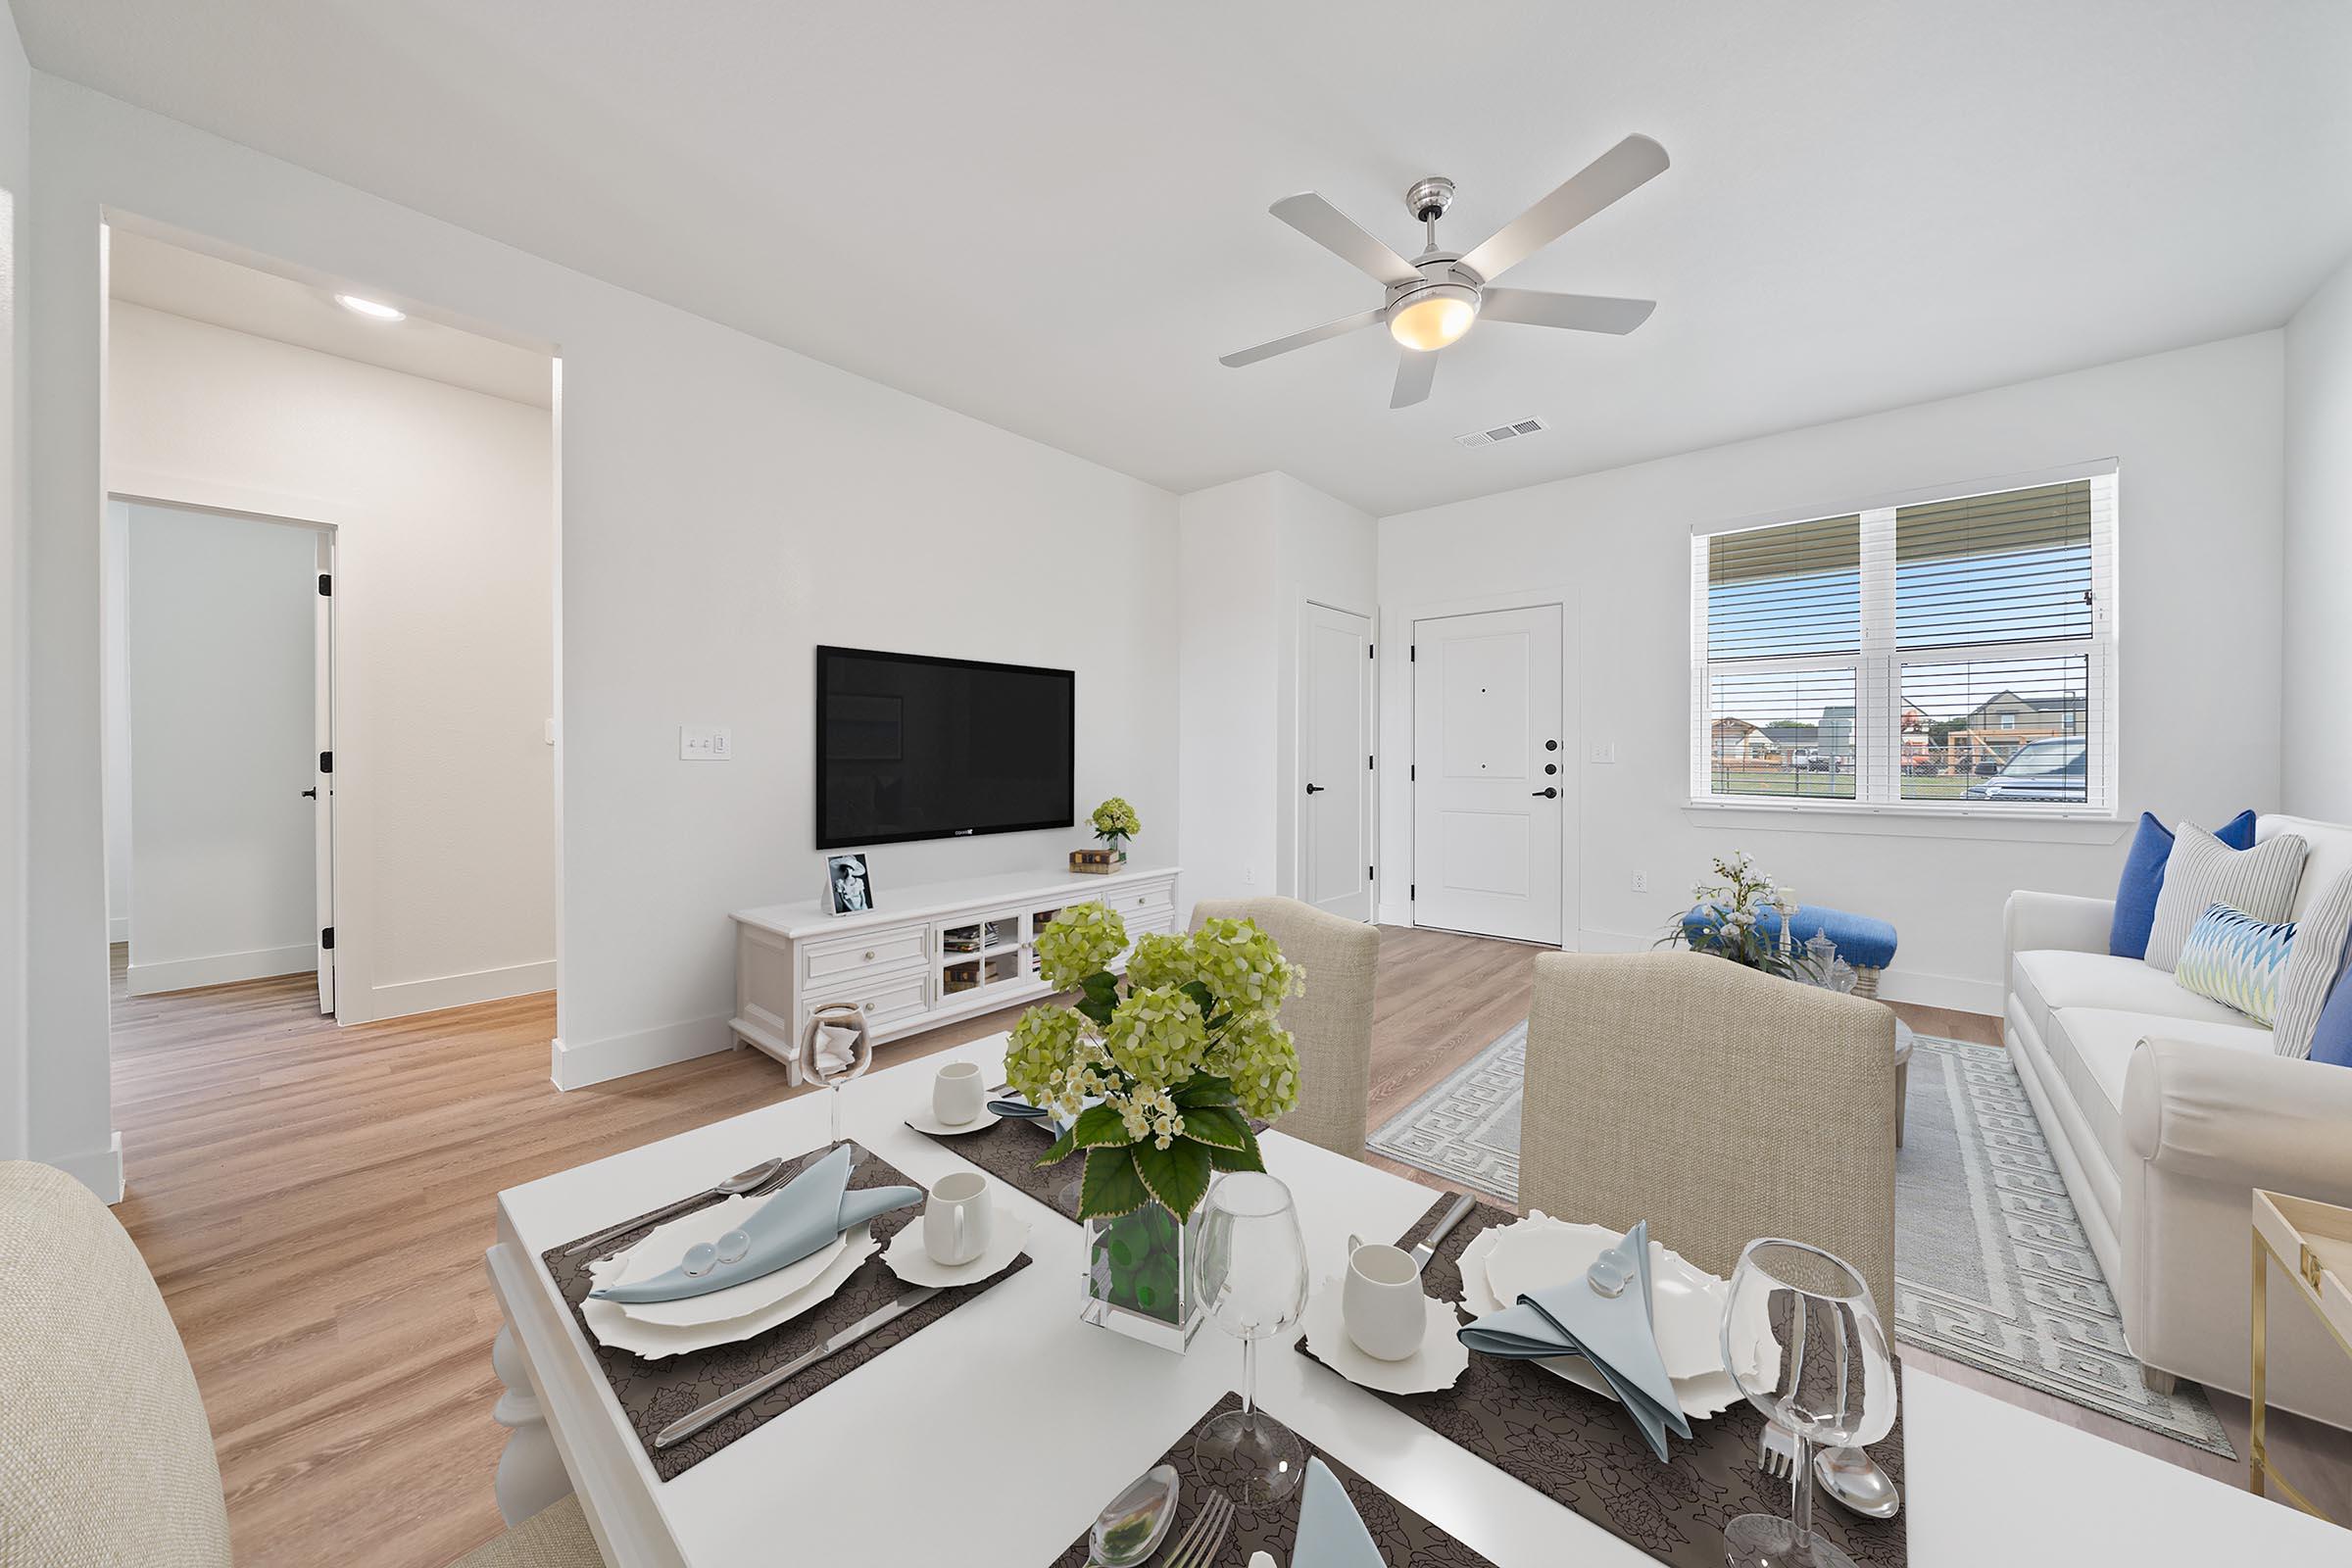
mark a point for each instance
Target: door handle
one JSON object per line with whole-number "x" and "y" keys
{"x": 310, "y": 794}
{"x": 1547, "y": 793}
{"x": 1314, "y": 789}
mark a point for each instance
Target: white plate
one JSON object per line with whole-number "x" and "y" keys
{"x": 1435, "y": 1365}
{"x": 922, "y": 1121}
{"x": 1686, "y": 1302}
{"x": 1706, "y": 1393}
{"x": 659, "y": 1253}
{"x": 654, "y": 1341}
{"x": 1007, "y": 1233}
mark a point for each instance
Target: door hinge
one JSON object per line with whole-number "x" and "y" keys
{"x": 1371, "y": 873}
{"x": 327, "y": 585}
{"x": 1368, "y": 765}
{"x": 1369, "y": 652}
{"x": 326, "y": 938}
{"x": 327, "y": 762}
{"x": 1413, "y": 654}
{"x": 1412, "y": 772}
{"x": 1412, "y": 891}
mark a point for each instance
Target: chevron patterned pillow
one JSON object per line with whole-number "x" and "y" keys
{"x": 2237, "y": 961}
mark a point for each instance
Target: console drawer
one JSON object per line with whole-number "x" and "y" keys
{"x": 884, "y": 998}
{"x": 844, "y": 959}
{"x": 1143, "y": 904}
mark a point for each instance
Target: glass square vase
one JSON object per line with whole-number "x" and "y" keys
{"x": 1136, "y": 1280}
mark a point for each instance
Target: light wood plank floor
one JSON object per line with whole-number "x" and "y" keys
{"x": 300, "y": 1189}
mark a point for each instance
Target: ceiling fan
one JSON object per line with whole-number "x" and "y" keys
{"x": 1434, "y": 298}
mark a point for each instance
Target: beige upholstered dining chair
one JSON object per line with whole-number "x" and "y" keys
{"x": 1331, "y": 1019}
{"x": 105, "y": 1454}
{"x": 1716, "y": 1103}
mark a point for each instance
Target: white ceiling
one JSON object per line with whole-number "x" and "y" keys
{"x": 145, "y": 270}
{"x": 1052, "y": 216}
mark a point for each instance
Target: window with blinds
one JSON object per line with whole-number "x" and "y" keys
{"x": 1953, "y": 653}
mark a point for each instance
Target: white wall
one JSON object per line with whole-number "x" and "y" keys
{"x": 2318, "y": 690}
{"x": 117, "y": 657}
{"x": 219, "y": 653}
{"x": 443, "y": 505}
{"x": 1252, "y": 554}
{"x": 15, "y": 160}
{"x": 2197, "y": 433}
{"x": 727, "y": 505}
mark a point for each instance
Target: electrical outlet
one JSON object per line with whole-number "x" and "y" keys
{"x": 1248, "y": 876}
{"x": 1602, "y": 752}
{"x": 703, "y": 743}
{"x": 1640, "y": 881}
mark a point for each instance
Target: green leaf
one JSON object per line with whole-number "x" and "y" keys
{"x": 1096, "y": 1009}
{"x": 1202, "y": 994}
{"x": 1113, "y": 1186}
{"x": 1063, "y": 1147}
{"x": 1203, "y": 1088}
{"x": 1101, "y": 985}
{"x": 1220, "y": 1126}
{"x": 1177, "y": 1175}
{"x": 1098, "y": 1126}
{"x": 1236, "y": 1159}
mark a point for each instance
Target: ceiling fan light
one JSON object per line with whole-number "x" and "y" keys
{"x": 1431, "y": 318}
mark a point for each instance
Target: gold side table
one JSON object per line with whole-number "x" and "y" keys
{"x": 2313, "y": 1242}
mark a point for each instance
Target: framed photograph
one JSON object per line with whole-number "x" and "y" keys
{"x": 848, "y": 888}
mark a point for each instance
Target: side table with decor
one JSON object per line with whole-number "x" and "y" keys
{"x": 2312, "y": 1242}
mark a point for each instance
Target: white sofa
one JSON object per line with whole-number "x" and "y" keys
{"x": 2164, "y": 1111}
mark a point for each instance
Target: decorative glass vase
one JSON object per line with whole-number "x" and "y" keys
{"x": 1136, "y": 1279}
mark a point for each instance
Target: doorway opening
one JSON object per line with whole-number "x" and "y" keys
{"x": 1335, "y": 761}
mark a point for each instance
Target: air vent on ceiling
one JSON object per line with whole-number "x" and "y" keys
{"x": 1501, "y": 432}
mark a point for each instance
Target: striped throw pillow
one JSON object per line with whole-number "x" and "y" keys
{"x": 2203, "y": 871}
{"x": 2318, "y": 957}
{"x": 2236, "y": 959}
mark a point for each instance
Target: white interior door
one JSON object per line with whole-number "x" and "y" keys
{"x": 323, "y": 782}
{"x": 1488, "y": 765}
{"x": 1334, "y": 761}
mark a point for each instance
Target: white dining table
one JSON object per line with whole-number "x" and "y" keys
{"x": 994, "y": 1435}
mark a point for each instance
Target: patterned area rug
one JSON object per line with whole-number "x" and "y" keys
{"x": 1992, "y": 1265}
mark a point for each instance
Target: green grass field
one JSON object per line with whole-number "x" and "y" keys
{"x": 1838, "y": 786}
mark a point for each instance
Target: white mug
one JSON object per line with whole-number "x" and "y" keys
{"x": 1382, "y": 1303}
{"x": 956, "y": 1098}
{"x": 957, "y": 1219}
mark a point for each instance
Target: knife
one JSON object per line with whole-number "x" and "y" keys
{"x": 687, "y": 1426}
{"x": 1428, "y": 1250}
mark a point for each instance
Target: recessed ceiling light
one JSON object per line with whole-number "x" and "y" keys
{"x": 370, "y": 309}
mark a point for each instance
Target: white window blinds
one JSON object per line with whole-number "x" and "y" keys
{"x": 1954, "y": 652}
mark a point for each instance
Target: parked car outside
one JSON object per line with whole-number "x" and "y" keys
{"x": 2053, "y": 769}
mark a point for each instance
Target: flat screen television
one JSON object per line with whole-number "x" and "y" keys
{"x": 909, "y": 747}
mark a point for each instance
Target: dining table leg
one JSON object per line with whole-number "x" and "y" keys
{"x": 530, "y": 1472}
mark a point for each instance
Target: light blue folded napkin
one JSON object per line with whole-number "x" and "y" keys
{"x": 1615, "y": 1333}
{"x": 816, "y": 1207}
{"x": 1331, "y": 1534}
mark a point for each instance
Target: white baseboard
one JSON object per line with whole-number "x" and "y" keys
{"x": 118, "y": 928}
{"x": 185, "y": 974}
{"x": 406, "y": 997}
{"x": 575, "y": 1064}
{"x": 100, "y": 1169}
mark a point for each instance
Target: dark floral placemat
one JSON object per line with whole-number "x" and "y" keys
{"x": 1009, "y": 1151}
{"x": 1402, "y": 1535}
{"x": 654, "y": 1394}
{"x": 1578, "y": 1450}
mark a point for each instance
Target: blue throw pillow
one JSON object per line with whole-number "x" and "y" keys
{"x": 2331, "y": 1038}
{"x": 2143, "y": 879}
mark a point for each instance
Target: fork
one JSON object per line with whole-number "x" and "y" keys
{"x": 1776, "y": 1451}
{"x": 1200, "y": 1545}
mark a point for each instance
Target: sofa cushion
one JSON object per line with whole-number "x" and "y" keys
{"x": 2051, "y": 978}
{"x": 2204, "y": 871}
{"x": 2093, "y": 1047}
{"x": 2327, "y": 856}
{"x": 2238, "y": 961}
{"x": 2143, "y": 879}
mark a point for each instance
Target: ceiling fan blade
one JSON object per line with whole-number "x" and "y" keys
{"x": 1298, "y": 340}
{"x": 1414, "y": 372}
{"x": 1310, "y": 215}
{"x": 1624, "y": 167}
{"x": 1579, "y": 312}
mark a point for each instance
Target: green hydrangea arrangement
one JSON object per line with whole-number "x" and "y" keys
{"x": 1115, "y": 822}
{"x": 1177, "y": 1059}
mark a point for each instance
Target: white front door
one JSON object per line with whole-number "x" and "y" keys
{"x": 1489, "y": 769}
{"x": 1334, "y": 761}
{"x": 322, "y": 780}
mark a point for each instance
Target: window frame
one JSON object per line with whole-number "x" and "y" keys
{"x": 1877, "y": 667}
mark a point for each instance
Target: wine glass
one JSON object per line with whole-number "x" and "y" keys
{"x": 836, "y": 1050}
{"x": 1802, "y": 1339}
{"x": 1248, "y": 1272}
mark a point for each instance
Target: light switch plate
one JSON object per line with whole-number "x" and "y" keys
{"x": 703, "y": 743}
{"x": 1602, "y": 752}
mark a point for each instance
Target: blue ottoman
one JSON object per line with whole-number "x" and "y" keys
{"x": 1866, "y": 943}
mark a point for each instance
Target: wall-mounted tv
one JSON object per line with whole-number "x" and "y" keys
{"x": 909, "y": 747}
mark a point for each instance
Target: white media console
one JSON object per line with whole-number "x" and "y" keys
{"x": 934, "y": 955}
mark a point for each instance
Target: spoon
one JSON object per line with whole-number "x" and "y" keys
{"x": 743, "y": 1181}
{"x": 1133, "y": 1524}
{"x": 1854, "y": 1480}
